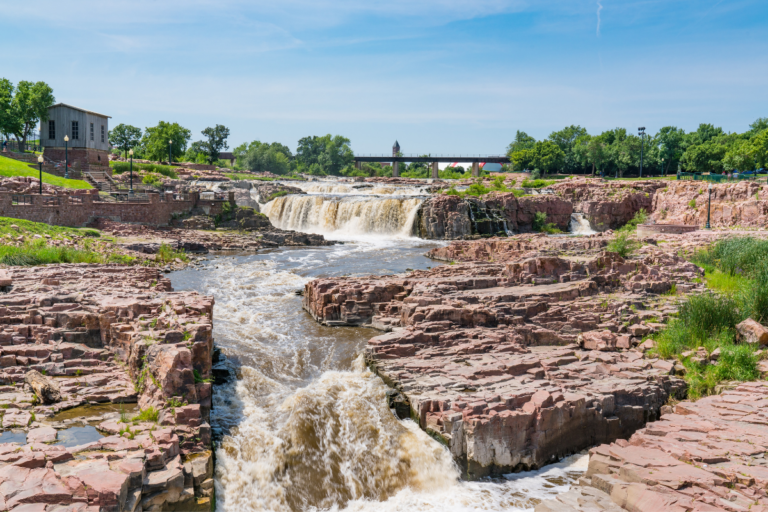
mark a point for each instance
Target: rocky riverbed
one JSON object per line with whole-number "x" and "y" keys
{"x": 526, "y": 349}
{"x": 106, "y": 392}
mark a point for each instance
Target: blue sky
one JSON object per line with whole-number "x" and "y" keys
{"x": 441, "y": 76}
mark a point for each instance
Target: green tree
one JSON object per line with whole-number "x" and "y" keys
{"x": 329, "y": 153}
{"x": 215, "y": 141}
{"x": 566, "y": 140}
{"x": 265, "y": 157}
{"x": 760, "y": 124}
{"x": 706, "y": 157}
{"x": 522, "y": 159}
{"x": 547, "y": 156}
{"x": 29, "y": 106}
{"x": 8, "y": 121}
{"x": 740, "y": 156}
{"x": 760, "y": 148}
{"x": 155, "y": 141}
{"x": 672, "y": 146}
{"x": 703, "y": 134}
{"x": 522, "y": 142}
{"x": 125, "y": 137}
{"x": 195, "y": 153}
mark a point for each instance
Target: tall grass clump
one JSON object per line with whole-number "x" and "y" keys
{"x": 39, "y": 253}
{"x": 536, "y": 183}
{"x": 165, "y": 170}
{"x": 541, "y": 225}
{"x": 166, "y": 254}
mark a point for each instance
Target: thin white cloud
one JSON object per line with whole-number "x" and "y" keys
{"x": 599, "y": 8}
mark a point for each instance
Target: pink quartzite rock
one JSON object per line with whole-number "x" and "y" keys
{"x": 752, "y": 332}
{"x": 704, "y": 456}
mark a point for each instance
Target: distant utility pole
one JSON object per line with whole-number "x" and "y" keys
{"x": 641, "y": 133}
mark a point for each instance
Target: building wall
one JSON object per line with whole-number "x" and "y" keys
{"x": 78, "y": 210}
{"x": 63, "y": 117}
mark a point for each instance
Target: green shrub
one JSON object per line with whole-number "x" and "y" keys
{"x": 539, "y": 221}
{"x": 166, "y": 254}
{"x": 279, "y": 193}
{"x": 151, "y": 179}
{"x": 150, "y": 414}
{"x": 165, "y": 170}
{"x": 623, "y": 244}
{"x": 692, "y": 203}
{"x": 536, "y": 183}
{"x": 640, "y": 217}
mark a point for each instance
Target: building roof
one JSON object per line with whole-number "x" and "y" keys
{"x": 80, "y": 109}
{"x": 397, "y": 145}
{"x": 226, "y": 156}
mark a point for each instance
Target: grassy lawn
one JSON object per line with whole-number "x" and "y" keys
{"x": 26, "y": 227}
{"x": 10, "y": 167}
{"x": 737, "y": 278}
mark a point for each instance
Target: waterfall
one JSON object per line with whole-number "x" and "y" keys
{"x": 580, "y": 225}
{"x": 344, "y": 215}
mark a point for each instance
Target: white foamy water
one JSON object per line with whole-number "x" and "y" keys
{"x": 339, "y": 217}
{"x": 305, "y": 426}
{"x": 580, "y": 225}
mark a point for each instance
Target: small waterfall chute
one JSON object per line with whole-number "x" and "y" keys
{"x": 580, "y": 225}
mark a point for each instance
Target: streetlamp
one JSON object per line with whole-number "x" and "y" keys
{"x": 130, "y": 192}
{"x": 40, "y": 162}
{"x": 709, "y": 204}
{"x": 66, "y": 157}
{"x": 169, "y": 151}
{"x": 662, "y": 167}
{"x": 641, "y": 133}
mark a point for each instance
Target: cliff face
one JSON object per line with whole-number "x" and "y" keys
{"x": 733, "y": 204}
{"x": 608, "y": 205}
{"x": 450, "y": 217}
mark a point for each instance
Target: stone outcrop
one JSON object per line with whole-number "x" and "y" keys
{"x": 525, "y": 349}
{"x": 608, "y": 205}
{"x": 742, "y": 204}
{"x": 703, "y": 456}
{"x": 446, "y": 217}
{"x": 105, "y": 335}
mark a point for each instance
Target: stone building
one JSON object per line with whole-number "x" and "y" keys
{"x": 88, "y": 133}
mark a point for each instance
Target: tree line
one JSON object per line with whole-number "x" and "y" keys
{"x": 573, "y": 150}
{"x": 22, "y": 107}
{"x": 158, "y": 142}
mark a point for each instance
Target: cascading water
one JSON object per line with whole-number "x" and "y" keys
{"x": 305, "y": 427}
{"x": 344, "y": 216}
{"x": 580, "y": 225}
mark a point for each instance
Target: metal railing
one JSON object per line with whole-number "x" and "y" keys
{"x": 716, "y": 178}
{"x": 51, "y": 200}
{"x": 15, "y": 145}
{"x": 18, "y": 200}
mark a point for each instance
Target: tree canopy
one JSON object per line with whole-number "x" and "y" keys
{"x": 155, "y": 141}
{"x": 215, "y": 141}
{"x": 125, "y": 137}
{"x": 23, "y": 107}
{"x": 324, "y": 155}
{"x": 263, "y": 157}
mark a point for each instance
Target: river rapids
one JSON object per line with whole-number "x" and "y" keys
{"x": 305, "y": 425}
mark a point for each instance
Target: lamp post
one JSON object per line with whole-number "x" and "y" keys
{"x": 40, "y": 163}
{"x": 709, "y": 204}
{"x": 130, "y": 191}
{"x": 170, "y": 142}
{"x": 641, "y": 133}
{"x": 66, "y": 157}
{"x": 662, "y": 167}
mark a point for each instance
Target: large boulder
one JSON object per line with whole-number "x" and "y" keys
{"x": 752, "y": 332}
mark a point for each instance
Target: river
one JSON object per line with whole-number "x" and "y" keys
{"x": 305, "y": 426}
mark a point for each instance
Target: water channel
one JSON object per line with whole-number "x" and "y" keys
{"x": 305, "y": 426}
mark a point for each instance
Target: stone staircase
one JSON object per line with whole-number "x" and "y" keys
{"x": 101, "y": 180}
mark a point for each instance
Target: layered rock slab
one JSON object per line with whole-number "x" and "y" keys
{"x": 707, "y": 455}
{"x": 104, "y": 334}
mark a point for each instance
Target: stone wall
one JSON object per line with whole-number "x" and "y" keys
{"x": 733, "y": 204}
{"x": 84, "y": 159}
{"x": 77, "y": 210}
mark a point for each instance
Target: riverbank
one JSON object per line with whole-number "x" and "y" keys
{"x": 528, "y": 350}
{"x": 106, "y": 392}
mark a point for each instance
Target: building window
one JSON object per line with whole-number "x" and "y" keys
{"x": 91, "y": 131}
{"x": 75, "y": 130}
{"x": 51, "y": 129}
{"x": 102, "y": 134}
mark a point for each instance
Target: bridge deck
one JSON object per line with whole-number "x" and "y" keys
{"x": 448, "y": 159}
